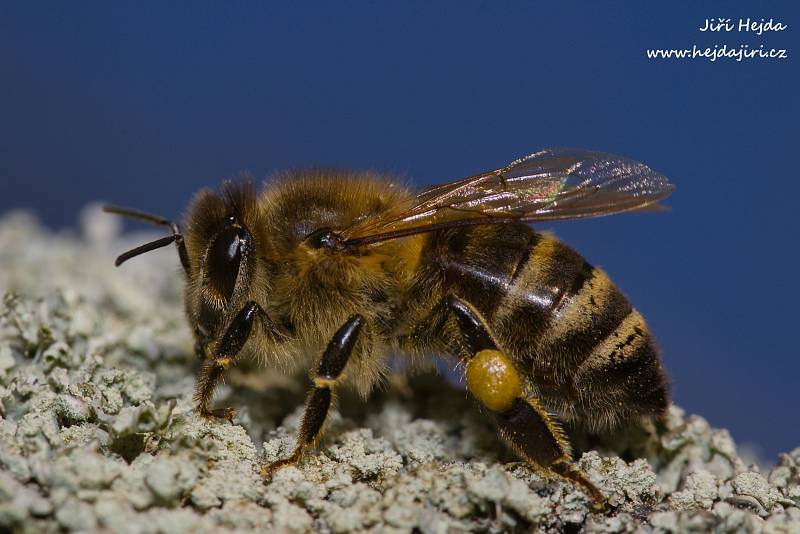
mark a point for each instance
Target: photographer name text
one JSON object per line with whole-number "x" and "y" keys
{"x": 743, "y": 25}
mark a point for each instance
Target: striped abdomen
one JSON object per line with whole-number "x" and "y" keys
{"x": 588, "y": 354}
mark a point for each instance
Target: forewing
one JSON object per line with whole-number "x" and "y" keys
{"x": 556, "y": 183}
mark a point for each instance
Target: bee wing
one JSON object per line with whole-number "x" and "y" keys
{"x": 555, "y": 183}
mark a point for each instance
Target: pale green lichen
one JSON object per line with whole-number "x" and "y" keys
{"x": 98, "y": 432}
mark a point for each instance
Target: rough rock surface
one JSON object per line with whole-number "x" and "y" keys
{"x": 97, "y": 430}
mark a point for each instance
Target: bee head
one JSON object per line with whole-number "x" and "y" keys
{"x": 218, "y": 253}
{"x": 222, "y": 243}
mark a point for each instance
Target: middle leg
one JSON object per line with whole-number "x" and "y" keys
{"x": 523, "y": 421}
{"x": 320, "y": 399}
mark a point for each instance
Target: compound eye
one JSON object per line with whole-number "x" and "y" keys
{"x": 225, "y": 258}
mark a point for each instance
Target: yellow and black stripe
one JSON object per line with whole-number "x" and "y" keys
{"x": 568, "y": 328}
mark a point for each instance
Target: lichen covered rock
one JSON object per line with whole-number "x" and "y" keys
{"x": 98, "y": 432}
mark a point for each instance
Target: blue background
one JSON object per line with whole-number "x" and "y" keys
{"x": 143, "y": 104}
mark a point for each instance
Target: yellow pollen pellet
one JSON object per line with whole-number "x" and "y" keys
{"x": 491, "y": 377}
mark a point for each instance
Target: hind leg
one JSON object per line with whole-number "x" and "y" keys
{"x": 524, "y": 423}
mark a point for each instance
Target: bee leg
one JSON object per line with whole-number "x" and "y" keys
{"x": 321, "y": 397}
{"x": 225, "y": 355}
{"x": 523, "y": 421}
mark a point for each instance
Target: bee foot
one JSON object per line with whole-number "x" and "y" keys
{"x": 220, "y": 413}
{"x": 599, "y": 504}
{"x": 267, "y": 471}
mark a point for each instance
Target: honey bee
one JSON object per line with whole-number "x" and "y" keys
{"x": 337, "y": 271}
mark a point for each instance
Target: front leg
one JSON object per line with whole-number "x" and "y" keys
{"x": 523, "y": 421}
{"x": 321, "y": 397}
{"x": 225, "y": 354}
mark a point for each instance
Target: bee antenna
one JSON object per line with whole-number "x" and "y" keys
{"x": 142, "y": 216}
{"x": 147, "y": 247}
{"x": 176, "y": 237}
